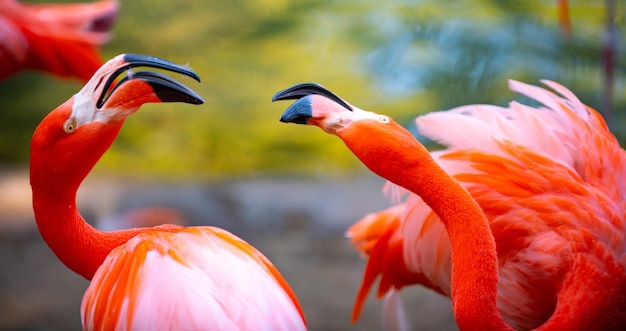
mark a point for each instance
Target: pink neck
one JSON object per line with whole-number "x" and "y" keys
{"x": 77, "y": 244}
{"x": 474, "y": 259}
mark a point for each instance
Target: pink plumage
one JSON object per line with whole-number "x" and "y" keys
{"x": 550, "y": 180}
{"x": 190, "y": 279}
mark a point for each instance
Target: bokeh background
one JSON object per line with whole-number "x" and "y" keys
{"x": 289, "y": 190}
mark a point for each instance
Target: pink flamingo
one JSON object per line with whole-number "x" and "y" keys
{"x": 61, "y": 39}
{"x": 545, "y": 186}
{"x": 165, "y": 277}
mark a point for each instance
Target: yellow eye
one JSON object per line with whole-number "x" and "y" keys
{"x": 69, "y": 126}
{"x": 384, "y": 119}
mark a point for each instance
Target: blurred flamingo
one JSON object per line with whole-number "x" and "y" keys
{"x": 166, "y": 277}
{"x": 609, "y": 54}
{"x": 148, "y": 216}
{"x": 544, "y": 185}
{"x": 564, "y": 21}
{"x": 61, "y": 39}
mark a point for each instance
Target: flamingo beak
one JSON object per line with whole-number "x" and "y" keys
{"x": 165, "y": 88}
{"x": 301, "y": 111}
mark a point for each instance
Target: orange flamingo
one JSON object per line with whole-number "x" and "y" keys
{"x": 544, "y": 185}
{"x": 58, "y": 38}
{"x": 166, "y": 277}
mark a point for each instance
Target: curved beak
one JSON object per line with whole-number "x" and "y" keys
{"x": 301, "y": 111}
{"x": 164, "y": 87}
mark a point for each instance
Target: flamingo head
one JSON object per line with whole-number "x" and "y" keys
{"x": 73, "y": 137}
{"x": 377, "y": 140}
{"x": 318, "y": 106}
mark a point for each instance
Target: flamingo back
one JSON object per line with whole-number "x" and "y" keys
{"x": 197, "y": 278}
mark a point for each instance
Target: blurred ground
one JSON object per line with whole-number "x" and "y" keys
{"x": 297, "y": 223}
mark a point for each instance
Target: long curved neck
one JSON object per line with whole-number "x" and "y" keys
{"x": 407, "y": 163}
{"x": 58, "y": 164}
{"x": 473, "y": 248}
{"x": 56, "y": 171}
{"x": 80, "y": 246}
{"x": 77, "y": 244}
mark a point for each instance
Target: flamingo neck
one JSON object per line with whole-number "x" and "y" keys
{"x": 58, "y": 165}
{"x": 80, "y": 246}
{"x": 407, "y": 163}
{"x": 77, "y": 244}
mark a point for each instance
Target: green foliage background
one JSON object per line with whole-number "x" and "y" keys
{"x": 402, "y": 58}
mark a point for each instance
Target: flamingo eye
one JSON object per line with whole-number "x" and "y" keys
{"x": 384, "y": 119}
{"x": 69, "y": 126}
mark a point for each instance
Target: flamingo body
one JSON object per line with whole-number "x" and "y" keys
{"x": 61, "y": 39}
{"x": 549, "y": 181}
{"x": 189, "y": 279}
{"x": 165, "y": 277}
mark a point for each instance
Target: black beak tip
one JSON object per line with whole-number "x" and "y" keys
{"x": 305, "y": 89}
{"x": 169, "y": 95}
{"x": 297, "y": 120}
{"x": 299, "y": 113}
{"x": 197, "y": 100}
{"x": 137, "y": 60}
{"x": 169, "y": 90}
{"x": 298, "y": 91}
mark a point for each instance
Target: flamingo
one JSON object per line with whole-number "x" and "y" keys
{"x": 545, "y": 186}
{"x": 165, "y": 277}
{"x": 142, "y": 217}
{"x": 564, "y": 21}
{"x": 61, "y": 39}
